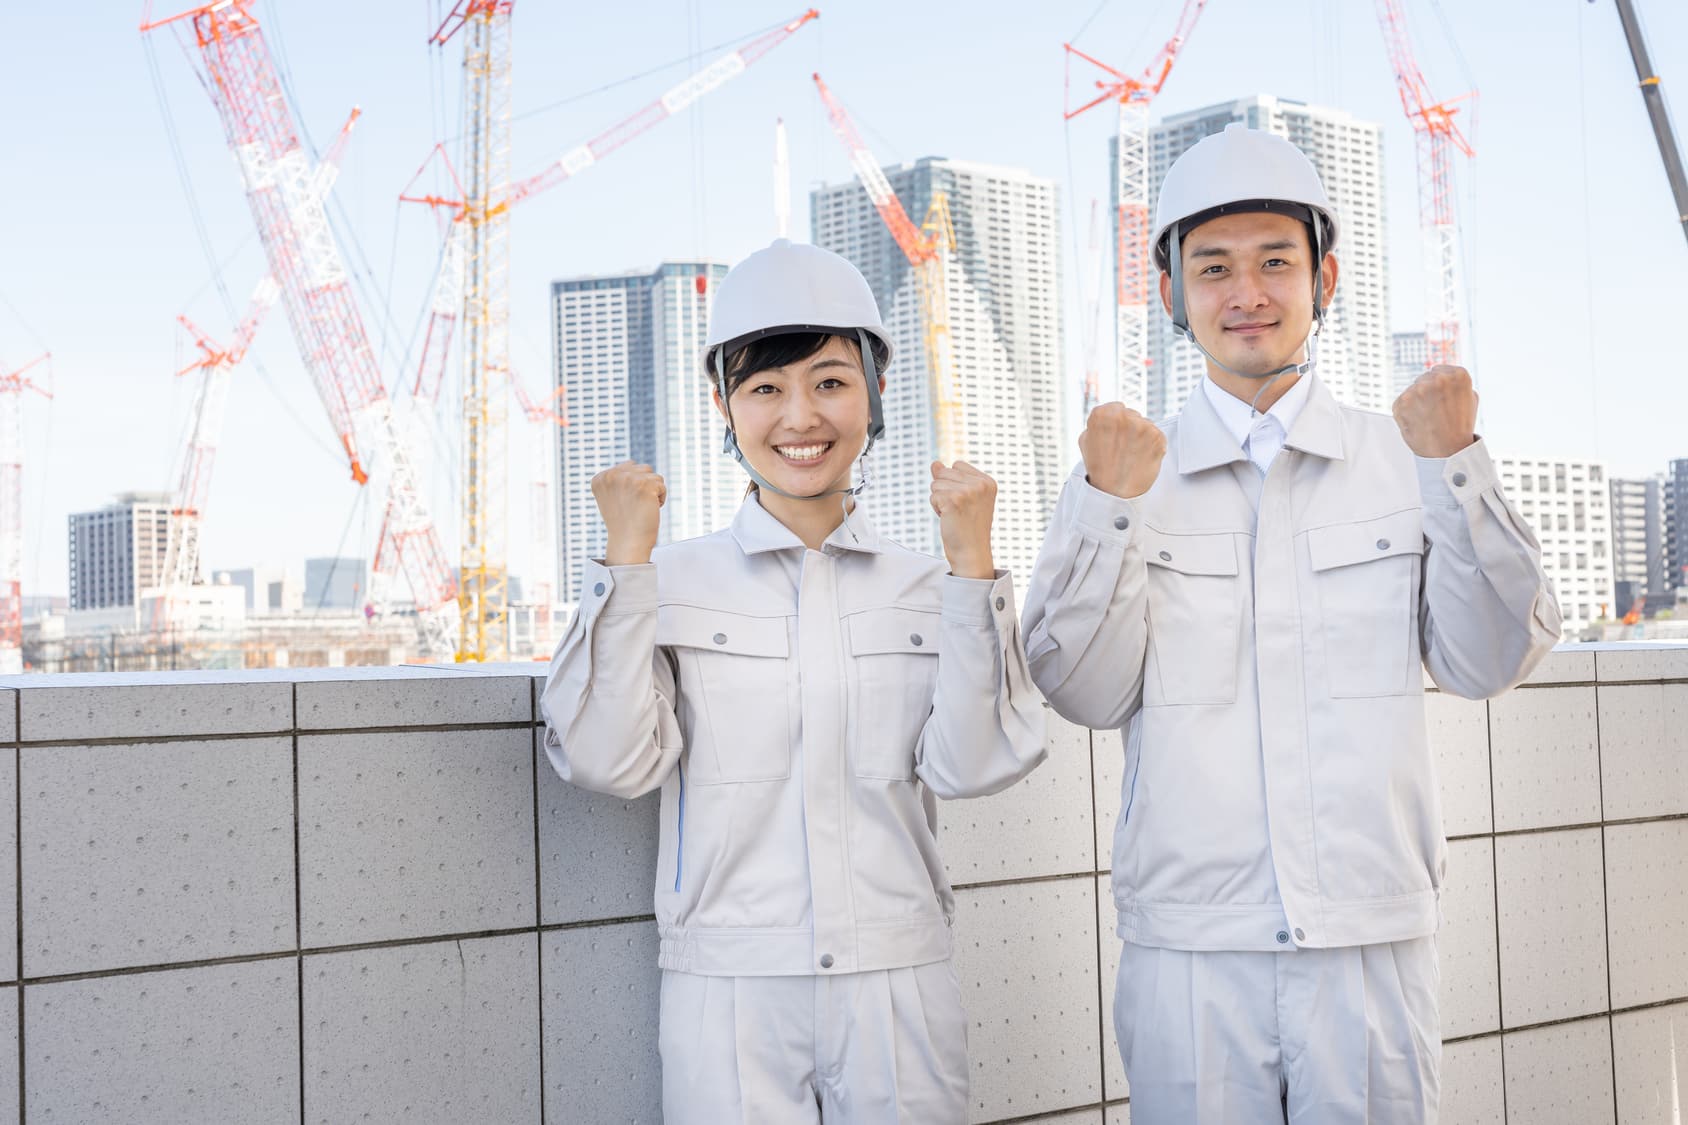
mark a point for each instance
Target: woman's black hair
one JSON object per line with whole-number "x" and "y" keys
{"x": 784, "y": 349}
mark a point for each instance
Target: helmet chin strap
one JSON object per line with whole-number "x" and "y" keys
{"x": 1180, "y": 316}
{"x": 875, "y": 427}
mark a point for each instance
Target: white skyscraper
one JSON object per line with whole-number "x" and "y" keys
{"x": 118, "y": 551}
{"x": 1353, "y": 350}
{"x": 1568, "y": 505}
{"x": 628, "y": 353}
{"x": 1004, "y": 282}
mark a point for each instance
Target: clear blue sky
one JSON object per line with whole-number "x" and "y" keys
{"x": 1578, "y": 288}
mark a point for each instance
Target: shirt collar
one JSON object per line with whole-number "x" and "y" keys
{"x": 756, "y": 530}
{"x": 1238, "y": 417}
{"x": 1213, "y": 425}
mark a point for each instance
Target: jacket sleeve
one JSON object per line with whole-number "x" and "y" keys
{"x": 1488, "y": 612}
{"x": 986, "y": 727}
{"x": 608, "y": 702}
{"x": 1087, "y": 627}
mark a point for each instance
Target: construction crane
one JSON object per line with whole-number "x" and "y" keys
{"x": 193, "y": 482}
{"x": 482, "y": 227}
{"x": 1134, "y": 270}
{"x": 285, "y": 194}
{"x": 927, "y": 248}
{"x": 13, "y": 384}
{"x": 1653, "y": 95}
{"x": 544, "y": 416}
{"x": 445, "y": 304}
{"x": 1439, "y": 137}
{"x": 193, "y": 486}
{"x": 475, "y": 264}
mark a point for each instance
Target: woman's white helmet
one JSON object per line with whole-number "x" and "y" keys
{"x": 790, "y": 287}
{"x": 1234, "y": 171}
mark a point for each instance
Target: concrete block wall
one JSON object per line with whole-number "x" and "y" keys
{"x": 327, "y": 895}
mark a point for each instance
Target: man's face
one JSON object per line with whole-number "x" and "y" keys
{"x": 1248, "y": 289}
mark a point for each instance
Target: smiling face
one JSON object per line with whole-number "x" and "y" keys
{"x": 803, "y": 423}
{"x": 1248, "y": 291}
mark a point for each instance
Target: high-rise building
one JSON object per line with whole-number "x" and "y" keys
{"x": 118, "y": 551}
{"x": 1676, "y": 525}
{"x": 1353, "y": 349}
{"x": 334, "y": 584}
{"x": 1568, "y": 505}
{"x": 1004, "y": 287}
{"x": 1409, "y": 358}
{"x": 628, "y": 355}
{"x": 1638, "y": 541}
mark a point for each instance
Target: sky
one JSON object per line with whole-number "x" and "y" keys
{"x": 1577, "y": 279}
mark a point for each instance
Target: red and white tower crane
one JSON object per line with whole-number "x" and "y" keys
{"x": 13, "y": 384}
{"x": 1134, "y": 271}
{"x": 1439, "y": 138}
{"x": 286, "y": 196}
{"x": 193, "y": 482}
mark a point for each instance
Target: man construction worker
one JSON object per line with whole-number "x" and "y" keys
{"x": 1249, "y": 590}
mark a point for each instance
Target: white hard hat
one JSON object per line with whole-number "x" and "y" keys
{"x": 793, "y": 287}
{"x": 790, "y": 287}
{"x": 1240, "y": 169}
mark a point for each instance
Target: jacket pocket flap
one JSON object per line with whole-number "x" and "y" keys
{"x": 687, "y": 626}
{"x": 894, "y": 630}
{"x": 1214, "y": 553}
{"x": 1345, "y": 544}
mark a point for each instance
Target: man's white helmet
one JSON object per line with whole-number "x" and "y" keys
{"x": 792, "y": 287}
{"x": 1238, "y": 169}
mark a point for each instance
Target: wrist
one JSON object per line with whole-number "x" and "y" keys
{"x": 972, "y": 564}
{"x": 621, "y": 553}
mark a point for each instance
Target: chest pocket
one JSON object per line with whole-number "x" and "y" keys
{"x": 1368, "y": 576}
{"x": 894, "y": 657}
{"x": 735, "y": 693}
{"x": 1195, "y": 618}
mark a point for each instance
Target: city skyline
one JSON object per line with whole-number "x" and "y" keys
{"x": 107, "y": 271}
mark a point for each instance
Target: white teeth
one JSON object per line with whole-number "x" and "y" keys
{"x": 801, "y": 452}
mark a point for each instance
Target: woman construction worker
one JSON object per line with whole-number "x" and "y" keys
{"x": 801, "y": 690}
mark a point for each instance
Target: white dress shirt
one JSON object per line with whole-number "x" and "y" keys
{"x": 1260, "y": 435}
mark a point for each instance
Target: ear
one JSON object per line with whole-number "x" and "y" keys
{"x": 1166, "y": 292}
{"x": 1329, "y": 270}
{"x": 720, "y": 407}
{"x": 882, "y": 386}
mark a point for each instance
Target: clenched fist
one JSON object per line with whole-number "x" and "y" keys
{"x": 1438, "y": 412}
{"x": 1122, "y": 450}
{"x": 965, "y": 500}
{"x": 630, "y": 498}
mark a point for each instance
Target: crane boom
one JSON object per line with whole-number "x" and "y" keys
{"x": 1439, "y": 138}
{"x": 1653, "y": 95}
{"x": 927, "y": 248}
